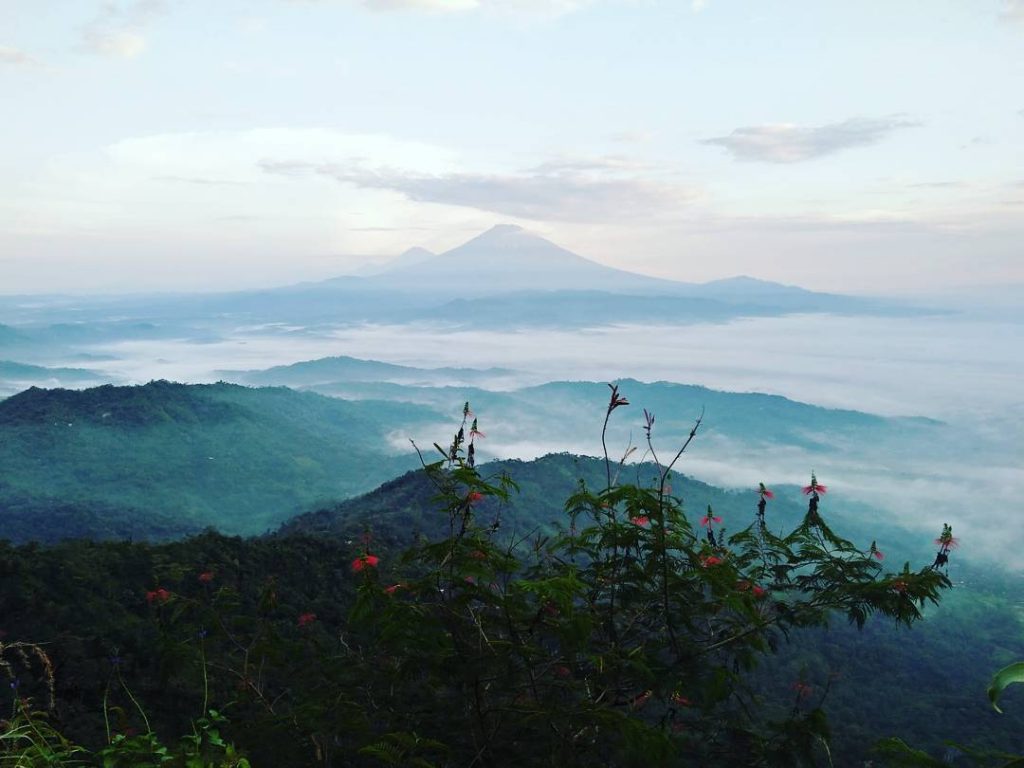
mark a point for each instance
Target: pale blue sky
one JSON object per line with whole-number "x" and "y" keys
{"x": 178, "y": 144}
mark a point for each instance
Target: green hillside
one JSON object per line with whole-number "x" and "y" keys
{"x": 868, "y": 674}
{"x": 88, "y": 602}
{"x": 239, "y": 459}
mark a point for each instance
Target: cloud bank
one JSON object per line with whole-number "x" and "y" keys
{"x": 560, "y": 191}
{"x": 117, "y": 31}
{"x": 788, "y": 143}
{"x": 15, "y": 56}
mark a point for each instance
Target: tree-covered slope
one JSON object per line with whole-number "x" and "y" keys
{"x": 927, "y": 685}
{"x": 404, "y": 507}
{"x": 88, "y": 602}
{"x": 239, "y": 459}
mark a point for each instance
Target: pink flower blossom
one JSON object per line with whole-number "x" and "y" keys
{"x": 158, "y": 595}
{"x": 814, "y": 487}
{"x": 803, "y": 690}
{"x": 947, "y": 539}
{"x": 305, "y": 619}
{"x": 708, "y": 519}
{"x": 641, "y": 520}
{"x": 364, "y": 561}
{"x": 641, "y": 699}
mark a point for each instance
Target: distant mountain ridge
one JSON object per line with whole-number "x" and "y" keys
{"x": 509, "y": 276}
{"x": 507, "y": 258}
{"x": 505, "y": 277}
{"x": 328, "y": 370}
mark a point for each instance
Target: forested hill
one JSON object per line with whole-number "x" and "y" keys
{"x": 405, "y": 507}
{"x": 867, "y": 673}
{"x": 165, "y": 458}
{"x": 88, "y": 601}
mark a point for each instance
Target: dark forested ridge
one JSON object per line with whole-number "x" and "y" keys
{"x": 239, "y": 459}
{"x": 92, "y": 602}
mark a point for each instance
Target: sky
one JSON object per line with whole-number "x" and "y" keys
{"x": 871, "y": 147}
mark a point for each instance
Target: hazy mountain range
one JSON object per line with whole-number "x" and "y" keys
{"x": 508, "y": 276}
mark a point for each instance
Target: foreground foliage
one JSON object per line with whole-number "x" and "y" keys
{"x": 629, "y": 636}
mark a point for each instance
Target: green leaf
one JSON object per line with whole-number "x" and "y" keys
{"x": 1004, "y": 677}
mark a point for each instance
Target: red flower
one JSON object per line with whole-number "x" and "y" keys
{"x": 474, "y": 497}
{"x": 947, "y": 539}
{"x": 641, "y": 699}
{"x": 474, "y": 432}
{"x": 563, "y": 671}
{"x": 708, "y": 519}
{"x": 394, "y": 588}
{"x": 711, "y": 560}
{"x": 361, "y": 562}
{"x": 158, "y": 595}
{"x": 814, "y": 487}
{"x": 205, "y": 577}
{"x": 879, "y": 555}
{"x": 764, "y": 492}
{"x": 803, "y": 690}
{"x": 305, "y": 619}
{"x": 756, "y": 590}
{"x": 680, "y": 700}
{"x": 616, "y": 399}
{"x": 640, "y": 520}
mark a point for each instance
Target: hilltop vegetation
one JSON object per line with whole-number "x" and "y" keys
{"x": 288, "y": 597}
{"x": 242, "y": 460}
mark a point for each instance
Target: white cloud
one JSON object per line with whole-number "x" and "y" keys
{"x": 1013, "y": 10}
{"x": 556, "y": 191}
{"x": 788, "y": 143}
{"x": 440, "y": 6}
{"x": 632, "y": 137}
{"x": 122, "y": 44}
{"x": 118, "y": 29}
{"x": 15, "y": 56}
{"x": 543, "y": 8}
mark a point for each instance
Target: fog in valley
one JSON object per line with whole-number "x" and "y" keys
{"x": 956, "y": 368}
